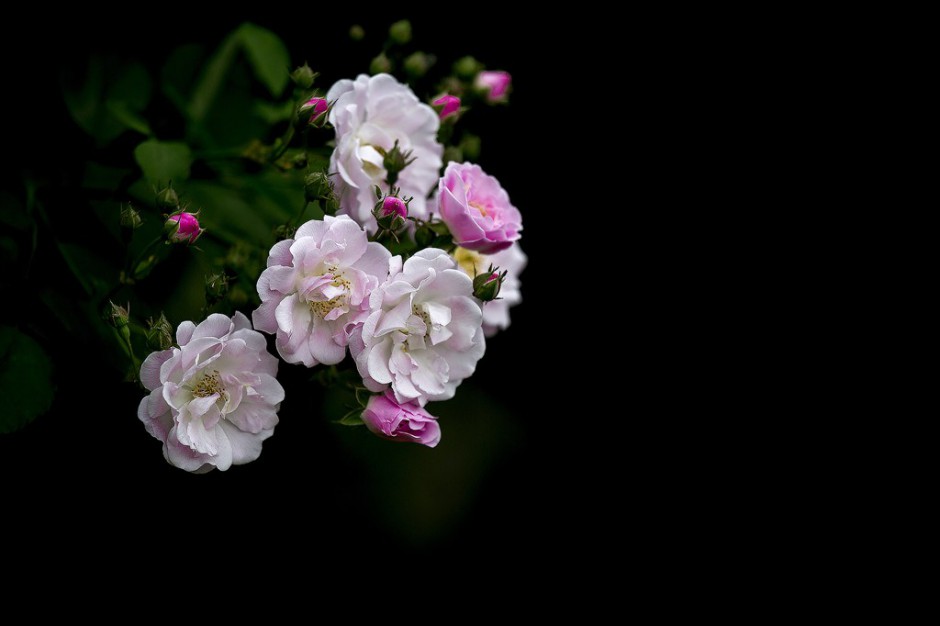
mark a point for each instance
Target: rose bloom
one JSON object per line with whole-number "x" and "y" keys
{"x": 496, "y": 312}
{"x": 215, "y": 398}
{"x": 316, "y": 289}
{"x": 369, "y": 115}
{"x": 388, "y": 419}
{"x": 424, "y": 334}
{"x": 477, "y": 209}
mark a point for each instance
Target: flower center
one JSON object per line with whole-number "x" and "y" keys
{"x": 420, "y": 312}
{"x": 479, "y": 207}
{"x": 322, "y": 308}
{"x": 373, "y": 163}
{"x": 472, "y": 263}
{"x": 210, "y": 384}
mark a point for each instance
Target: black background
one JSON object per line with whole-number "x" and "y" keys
{"x": 317, "y": 485}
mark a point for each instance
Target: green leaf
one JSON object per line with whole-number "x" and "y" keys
{"x": 274, "y": 113}
{"x": 106, "y": 97}
{"x": 213, "y": 78}
{"x": 25, "y": 380}
{"x": 268, "y": 56}
{"x": 91, "y": 271}
{"x": 123, "y": 113}
{"x": 13, "y": 213}
{"x": 163, "y": 162}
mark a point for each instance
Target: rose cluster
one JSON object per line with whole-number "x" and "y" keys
{"x": 414, "y": 325}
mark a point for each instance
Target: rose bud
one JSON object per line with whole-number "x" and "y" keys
{"x": 495, "y": 85}
{"x": 183, "y": 228}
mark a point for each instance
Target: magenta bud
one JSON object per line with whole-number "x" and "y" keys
{"x": 183, "y": 228}
{"x": 495, "y": 85}
{"x": 314, "y": 109}
{"x": 319, "y": 105}
{"x": 394, "y": 206}
{"x": 448, "y": 105}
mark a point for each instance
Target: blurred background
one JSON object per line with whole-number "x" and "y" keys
{"x": 499, "y": 478}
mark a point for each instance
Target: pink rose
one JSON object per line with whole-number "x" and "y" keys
{"x": 477, "y": 210}
{"x": 494, "y": 84}
{"x": 388, "y": 419}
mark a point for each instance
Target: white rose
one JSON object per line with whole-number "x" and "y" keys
{"x": 424, "y": 335}
{"x": 215, "y": 398}
{"x": 369, "y": 115}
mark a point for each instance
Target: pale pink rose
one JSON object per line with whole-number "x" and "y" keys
{"x": 183, "y": 228}
{"x": 448, "y": 104}
{"x": 477, "y": 209}
{"x": 215, "y": 398}
{"x": 513, "y": 260}
{"x": 316, "y": 289}
{"x": 370, "y": 114}
{"x": 424, "y": 334}
{"x": 388, "y": 419}
{"x": 494, "y": 84}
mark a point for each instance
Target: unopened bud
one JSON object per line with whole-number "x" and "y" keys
{"x": 380, "y": 65}
{"x": 400, "y": 32}
{"x": 168, "y": 200}
{"x": 130, "y": 218}
{"x": 486, "y": 285}
{"x": 160, "y": 333}
{"x": 120, "y": 316}
{"x": 317, "y": 186}
{"x": 447, "y": 106}
{"x": 183, "y": 228}
{"x": 356, "y": 32}
{"x": 467, "y": 67}
{"x": 395, "y": 161}
{"x": 314, "y": 110}
{"x": 390, "y": 213}
{"x": 303, "y": 76}
{"x": 494, "y": 85}
{"x": 417, "y": 64}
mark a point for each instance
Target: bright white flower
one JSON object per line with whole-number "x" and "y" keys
{"x": 316, "y": 289}
{"x": 369, "y": 115}
{"x": 215, "y": 398}
{"x": 424, "y": 335}
{"x": 496, "y": 312}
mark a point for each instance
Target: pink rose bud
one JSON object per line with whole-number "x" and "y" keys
{"x": 319, "y": 105}
{"x": 389, "y": 419}
{"x": 449, "y": 105}
{"x": 183, "y": 228}
{"x": 494, "y": 84}
{"x": 314, "y": 108}
{"x": 394, "y": 206}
